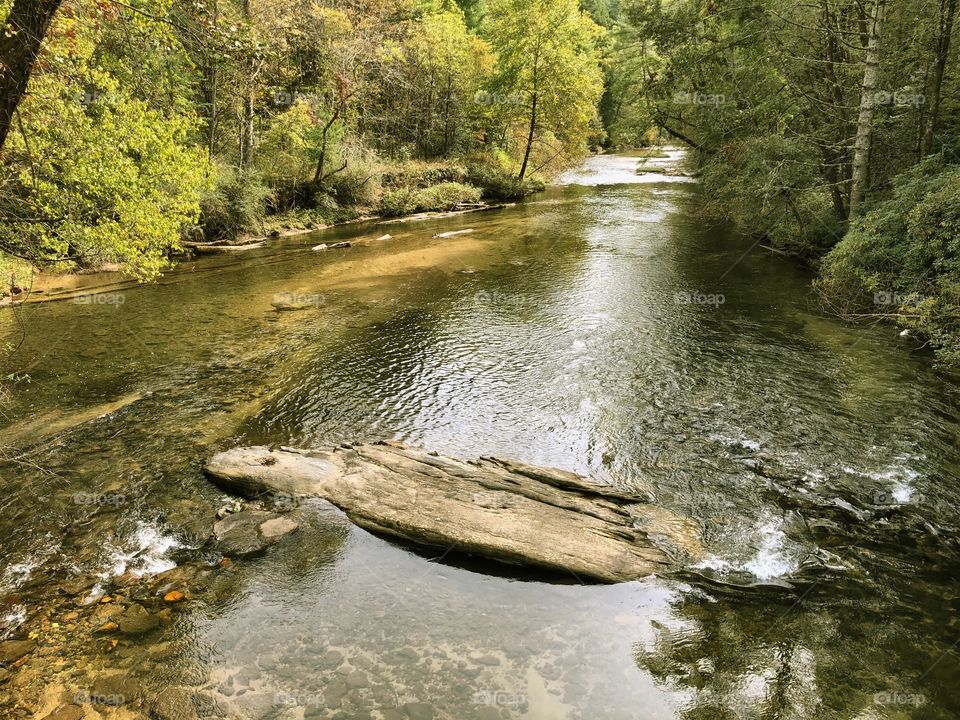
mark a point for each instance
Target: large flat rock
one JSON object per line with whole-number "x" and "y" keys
{"x": 501, "y": 509}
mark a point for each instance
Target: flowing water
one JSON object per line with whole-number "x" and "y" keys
{"x": 600, "y": 327}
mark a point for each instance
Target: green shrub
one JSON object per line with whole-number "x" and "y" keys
{"x": 237, "y": 202}
{"x": 398, "y": 202}
{"x": 446, "y": 196}
{"x": 902, "y": 259}
{"x": 438, "y": 198}
{"x": 357, "y": 184}
{"x": 768, "y": 187}
{"x": 423, "y": 175}
{"x": 497, "y": 183}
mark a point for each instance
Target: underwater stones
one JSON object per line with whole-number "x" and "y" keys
{"x": 13, "y": 650}
{"x": 332, "y": 659}
{"x": 174, "y": 704}
{"x": 277, "y": 527}
{"x": 357, "y": 679}
{"x": 114, "y": 690}
{"x": 136, "y": 620}
{"x": 65, "y": 712}
{"x": 249, "y": 532}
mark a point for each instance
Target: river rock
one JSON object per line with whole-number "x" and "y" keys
{"x": 505, "y": 510}
{"x": 251, "y": 531}
{"x": 65, "y": 712}
{"x": 13, "y": 650}
{"x": 136, "y": 620}
{"x": 116, "y": 689}
{"x": 174, "y": 703}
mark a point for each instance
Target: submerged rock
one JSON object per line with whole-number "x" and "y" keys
{"x": 174, "y": 703}
{"x": 136, "y": 620}
{"x": 13, "y": 650}
{"x": 251, "y": 531}
{"x": 65, "y": 712}
{"x": 501, "y": 509}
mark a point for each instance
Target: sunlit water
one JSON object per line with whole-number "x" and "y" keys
{"x": 600, "y": 327}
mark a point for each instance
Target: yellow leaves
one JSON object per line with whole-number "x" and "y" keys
{"x": 333, "y": 22}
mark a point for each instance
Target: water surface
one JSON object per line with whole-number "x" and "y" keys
{"x": 600, "y": 327}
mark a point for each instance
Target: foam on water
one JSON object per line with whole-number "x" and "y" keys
{"x": 774, "y": 556}
{"x": 144, "y": 553}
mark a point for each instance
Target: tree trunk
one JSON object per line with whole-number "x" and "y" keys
{"x": 834, "y": 169}
{"x": 212, "y": 79}
{"x": 249, "y": 102}
{"x": 948, "y": 10}
{"x": 20, "y": 40}
{"x": 533, "y": 130}
{"x": 321, "y": 161}
{"x": 868, "y": 101}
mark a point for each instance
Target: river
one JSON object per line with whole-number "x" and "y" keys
{"x": 599, "y": 327}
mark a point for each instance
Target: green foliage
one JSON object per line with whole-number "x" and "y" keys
{"x": 437, "y": 198}
{"x": 419, "y": 174}
{"x": 548, "y": 74}
{"x": 112, "y": 183}
{"x": 902, "y": 259}
{"x": 499, "y": 184}
{"x": 396, "y": 203}
{"x": 235, "y": 204}
{"x": 768, "y": 187}
{"x": 446, "y": 196}
{"x": 359, "y": 183}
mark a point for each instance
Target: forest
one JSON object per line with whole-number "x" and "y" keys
{"x": 827, "y": 129}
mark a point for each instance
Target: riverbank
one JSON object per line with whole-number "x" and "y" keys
{"x": 85, "y": 286}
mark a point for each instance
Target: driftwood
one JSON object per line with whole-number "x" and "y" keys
{"x": 500, "y": 509}
{"x": 213, "y": 249}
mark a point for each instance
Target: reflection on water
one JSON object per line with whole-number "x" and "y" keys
{"x": 599, "y": 328}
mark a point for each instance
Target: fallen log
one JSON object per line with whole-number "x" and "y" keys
{"x": 213, "y": 249}
{"x": 500, "y": 509}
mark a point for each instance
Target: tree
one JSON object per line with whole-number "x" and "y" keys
{"x": 948, "y": 11}
{"x": 547, "y": 53}
{"x": 22, "y": 36}
{"x": 868, "y": 103}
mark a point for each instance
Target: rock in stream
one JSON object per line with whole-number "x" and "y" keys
{"x": 500, "y": 509}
